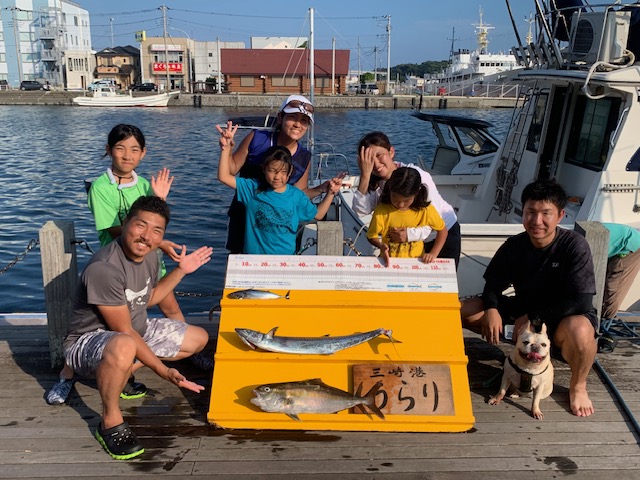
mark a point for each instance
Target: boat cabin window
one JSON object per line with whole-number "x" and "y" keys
{"x": 592, "y": 125}
{"x": 535, "y": 130}
{"x": 473, "y": 142}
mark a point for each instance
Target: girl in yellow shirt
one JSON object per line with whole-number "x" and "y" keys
{"x": 405, "y": 204}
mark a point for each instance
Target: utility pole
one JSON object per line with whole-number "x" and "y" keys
{"x": 16, "y": 35}
{"x": 219, "y": 66}
{"x": 111, "y": 22}
{"x": 375, "y": 64}
{"x": 333, "y": 66}
{"x": 358, "y": 87}
{"x": 166, "y": 48}
{"x": 387, "y": 89}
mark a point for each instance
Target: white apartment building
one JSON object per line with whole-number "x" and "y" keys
{"x": 45, "y": 40}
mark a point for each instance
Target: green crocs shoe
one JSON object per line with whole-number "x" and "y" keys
{"x": 133, "y": 389}
{"x": 119, "y": 441}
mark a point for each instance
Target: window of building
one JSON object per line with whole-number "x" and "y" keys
{"x": 75, "y": 21}
{"x": 1, "y": 36}
{"x": 3, "y": 58}
{"x": 323, "y": 82}
{"x": 246, "y": 81}
{"x": 27, "y": 36}
{"x": 24, "y": 14}
{"x": 284, "y": 82}
{"x": 210, "y": 54}
{"x": 28, "y": 57}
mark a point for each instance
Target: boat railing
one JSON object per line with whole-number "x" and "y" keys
{"x": 479, "y": 88}
{"x": 327, "y": 163}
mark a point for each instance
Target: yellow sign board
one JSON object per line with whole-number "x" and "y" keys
{"x": 141, "y": 36}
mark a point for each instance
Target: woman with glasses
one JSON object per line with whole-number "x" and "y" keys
{"x": 293, "y": 120}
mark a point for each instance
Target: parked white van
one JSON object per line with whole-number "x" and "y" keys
{"x": 369, "y": 89}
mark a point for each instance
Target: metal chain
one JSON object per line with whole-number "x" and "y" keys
{"x": 32, "y": 244}
{"x": 82, "y": 243}
{"x": 35, "y": 242}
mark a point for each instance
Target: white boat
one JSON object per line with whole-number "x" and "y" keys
{"x": 465, "y": 145}
{"x": 471, "y": 72}
{"x": 106, "y": 96}
{"x": 576, "y": 122}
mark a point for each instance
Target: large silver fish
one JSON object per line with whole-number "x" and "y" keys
{"x": 312, "y": 396}
{"x": 253, "y": 294}
{"x": 306, "y": 345}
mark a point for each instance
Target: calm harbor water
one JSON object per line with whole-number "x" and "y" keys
{"x": 47, "y": 152}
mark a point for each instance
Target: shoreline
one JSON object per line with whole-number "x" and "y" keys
{"x": 231, "y": 100}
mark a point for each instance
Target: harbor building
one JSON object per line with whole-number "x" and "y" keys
{"x": 189, "y": 62}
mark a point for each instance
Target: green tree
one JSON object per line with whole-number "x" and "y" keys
{"x": 419, "y": 70}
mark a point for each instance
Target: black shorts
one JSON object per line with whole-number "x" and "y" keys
{"x": 511, "y": 309}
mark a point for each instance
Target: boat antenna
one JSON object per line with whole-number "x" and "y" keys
{"x": 481, "y": 31}
{"x": 530, "y": 21}
{"x": 453, "y": 39}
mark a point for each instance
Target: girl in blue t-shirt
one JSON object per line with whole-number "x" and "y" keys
{"x": 292, "y": 123}
{"x": 274, "y": 208}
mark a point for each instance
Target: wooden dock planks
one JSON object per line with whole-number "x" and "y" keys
{"x": 42, "y": 441}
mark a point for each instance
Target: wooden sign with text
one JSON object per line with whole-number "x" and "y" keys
{"x": 408, "y": 389}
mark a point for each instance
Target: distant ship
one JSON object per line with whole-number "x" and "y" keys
{"x": 471, "y": 72}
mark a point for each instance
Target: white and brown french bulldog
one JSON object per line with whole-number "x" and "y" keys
{"x": 528, "y": 369}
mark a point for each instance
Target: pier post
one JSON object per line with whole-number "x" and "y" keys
{"x": 59, "y": 276}
{"x": 598, "y": 238}
{"x": 330, "y": 238}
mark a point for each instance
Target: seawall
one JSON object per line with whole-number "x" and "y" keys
{"x": 17, "y": 97}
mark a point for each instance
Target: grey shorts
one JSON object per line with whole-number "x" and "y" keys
{"x": 163, "y": 336}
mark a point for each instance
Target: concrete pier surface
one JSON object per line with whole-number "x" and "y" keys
{"x": 232, "y": 100}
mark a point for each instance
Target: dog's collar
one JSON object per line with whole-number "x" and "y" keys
{"x": 525, "y": 377}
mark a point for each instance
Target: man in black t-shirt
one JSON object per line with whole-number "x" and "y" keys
{"x": 551, "y": 271}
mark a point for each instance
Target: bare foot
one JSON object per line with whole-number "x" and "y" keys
{"x": 580, "y": 402}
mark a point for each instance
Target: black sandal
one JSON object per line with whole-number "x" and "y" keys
{"x": 120, "y": 442}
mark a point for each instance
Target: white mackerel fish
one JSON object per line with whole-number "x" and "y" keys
{"x": 254, "y": 294}
{"x": 307, "y": 345}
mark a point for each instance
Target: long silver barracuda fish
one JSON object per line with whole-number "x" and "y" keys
{"x": 312, "y": 396}
{"x": 253, "y": 294}
{"x": 306, "y": 345}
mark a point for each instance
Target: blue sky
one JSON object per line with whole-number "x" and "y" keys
{"x": 420, "y": 29}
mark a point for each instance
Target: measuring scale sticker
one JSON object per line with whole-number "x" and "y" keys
{"x": 340, "y": 273}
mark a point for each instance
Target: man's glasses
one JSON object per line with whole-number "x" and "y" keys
{"x": 302, "y": 106}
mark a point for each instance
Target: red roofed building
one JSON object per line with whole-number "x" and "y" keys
{"x": 282, "y": 70}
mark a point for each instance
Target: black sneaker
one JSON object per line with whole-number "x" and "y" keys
{"x": 119, "y": 441}
{"x": 133, "y": 389}
{"x": 202, "y": 360}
